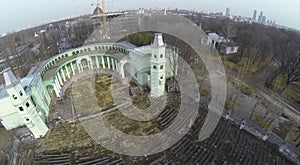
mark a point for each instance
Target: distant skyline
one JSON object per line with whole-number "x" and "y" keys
{"x": 16, "y": 15}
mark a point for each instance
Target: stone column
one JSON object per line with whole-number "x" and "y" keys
{"x": 57, "y": 84}
{"x": 103, "y": 64}
{"x": 63, "y": 74}
{"x": 78, "y": 65}
{"x": 72, "y": 68}
{"x": 108, "y": 62}
{"x": 91, "y": 64}
{"x": 68, "y": 73}
{"x": 97, "y": 62}
{"x": 122, "y": 71}
{"x": 117, "y": 66}
{"x": 113, "y": 63}
{"x": 56, "y": 91}
{"x": 59, "y": 78}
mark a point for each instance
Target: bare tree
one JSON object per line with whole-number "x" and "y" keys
{"x": 289, "y": 61}
{"x": 229, "y": 29}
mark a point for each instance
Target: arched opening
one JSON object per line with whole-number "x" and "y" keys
{"x": 84, "y": 64}
{"x": 217, "y": 45}
{"x": 49, "y": 89}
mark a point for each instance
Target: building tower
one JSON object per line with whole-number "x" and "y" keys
{"x": 228, "y": 13}
{"x": 260, "y": 17}
{"x": 254, "y": 15}
{"x": 157, "y": 64}
{"x": 263, "y": 20}
{"x": 22, "y": 103}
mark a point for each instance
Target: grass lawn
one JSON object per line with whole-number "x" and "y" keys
{"x": 241, "y": 66}
{"x": 261, "y": 121}
{"x": 290, "y": 90}
{"x": 246, "y": 89}
{"x": 6, "y": 139}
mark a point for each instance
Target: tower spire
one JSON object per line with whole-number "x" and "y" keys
{"x": 158, "y": 40}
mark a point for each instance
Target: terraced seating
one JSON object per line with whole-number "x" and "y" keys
{"x": 89, "y": 160}
{"x": 166, "y": 117}
{"x": 187, "y": 152}
{"x": 162, "y": 161}
{"x": 52, "y": 159}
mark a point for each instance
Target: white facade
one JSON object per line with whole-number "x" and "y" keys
{"x": 18, "y": 108}
{"x": 26, "y": 101}
{"x": 230, "y": 49}
{"x": 158, "y": 66}
{"x": 151, "y": 65}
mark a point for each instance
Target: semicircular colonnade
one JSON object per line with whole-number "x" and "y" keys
{"x": 56, "y": 71}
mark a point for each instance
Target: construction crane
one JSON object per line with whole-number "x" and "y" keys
{"x": 97, "y": 4}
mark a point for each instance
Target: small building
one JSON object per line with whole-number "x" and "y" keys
{"x": 214, "y": 40}
{"x": 228, "y": 48}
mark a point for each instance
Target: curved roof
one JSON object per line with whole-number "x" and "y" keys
{"x": 95, "y": 12}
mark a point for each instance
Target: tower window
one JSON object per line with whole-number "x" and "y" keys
{"x": 15, "y": 97}
{"x": 27, "y": 104}
{"x": 154, "y": 67}
{"x": 27, "y": 119}
{"x": 161, "y": 77}
{"x": 154, "y": 55}
{"x": 21, "y": 109}
{"x": 161, "y": 67}
{"x": 161, "y": 55}
{"x": 21, "y": 93}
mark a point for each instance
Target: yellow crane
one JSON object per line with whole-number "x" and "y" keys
{"x": 97, "y": 4}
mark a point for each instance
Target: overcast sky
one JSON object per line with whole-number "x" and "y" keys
{"x": 17, "y": 14}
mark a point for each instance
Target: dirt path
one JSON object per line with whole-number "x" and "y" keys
{"x": 257, "y": 80}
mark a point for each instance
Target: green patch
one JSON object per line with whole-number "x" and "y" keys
{"x": 141, "y": 39}
{"x": 6, "y": 139}
{"x": 141, "y": 101}
{"x": 230, "y": 105}
{"x": 204, "y": 92}
{"x": 103, "y": 90}
{"x": 261, "y": 121}
{"x": 245, "y": 89}
{"x": 293, "y": 92}
{"x": 241, "y": 66}
{"x": 66, "y": 137}
{"x": 283, "y": 130}
{"x": 130, "y": 126}
{"x": 290, "y": 90}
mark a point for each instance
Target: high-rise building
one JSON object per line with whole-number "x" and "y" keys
{"x": 227, "y": 14}
{"x": 263, "y": 19}
{"x": 260, "y": 17}
{"x": 254, "y": 15}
